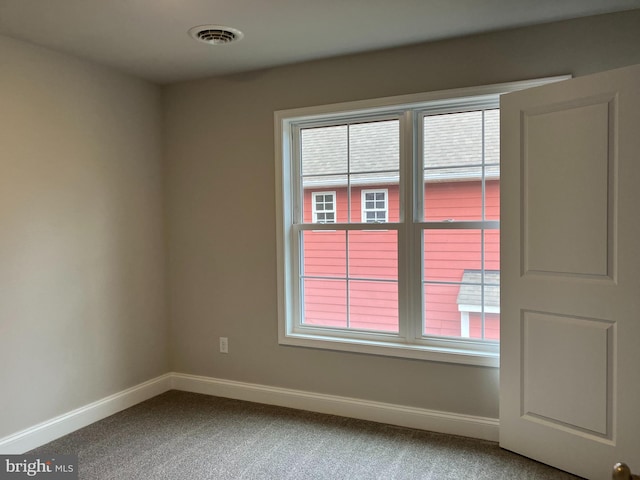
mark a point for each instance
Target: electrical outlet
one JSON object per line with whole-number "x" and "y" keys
{"x": 224, "y": 345}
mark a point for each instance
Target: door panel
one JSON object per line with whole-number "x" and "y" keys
{"x": 574, "y": 365}
{"x": 570, "y": 281}
{"x": 566, "y": 165}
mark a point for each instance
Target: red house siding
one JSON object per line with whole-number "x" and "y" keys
{"x": 372, "y": 262}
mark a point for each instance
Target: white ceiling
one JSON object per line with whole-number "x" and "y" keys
{"x": 148, "y": 38}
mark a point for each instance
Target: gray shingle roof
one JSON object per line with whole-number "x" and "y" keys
{"x": 369, "y": 152}
{"x": 470, "y": 290}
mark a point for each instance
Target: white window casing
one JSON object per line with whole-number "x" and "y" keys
{"x": 375, "y": 204}
{"x": 324, "y": 208}
{"x": 410, "y": 341}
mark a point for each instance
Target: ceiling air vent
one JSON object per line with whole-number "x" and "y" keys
{"x": 215, "y": 34}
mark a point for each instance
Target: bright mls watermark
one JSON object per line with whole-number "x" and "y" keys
{"x": 49, "y": 467}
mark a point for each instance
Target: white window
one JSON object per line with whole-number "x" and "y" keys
{"x": 412, "y": 267}
{"x": 324, "y": 207}
{"x": 374, "y": 206}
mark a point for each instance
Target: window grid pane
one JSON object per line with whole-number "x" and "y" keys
{"x": 350, "y": 280}
{"x": 461, "y": 166}
{"x": 349, "y": 158}
{"x": 461, "y": 283}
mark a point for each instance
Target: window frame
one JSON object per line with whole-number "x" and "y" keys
{"x": 314, "y": 206}
{"x": 364, "y": 210}
{"x": 409, "y": 343}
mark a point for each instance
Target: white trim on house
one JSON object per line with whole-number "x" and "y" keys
{"x": 364, "y": 209}
{"x": 420, "y": 418}
{"x": 465, "y": 330}
{"x": 478, "y": 308}
{"x": 314, "y": 206}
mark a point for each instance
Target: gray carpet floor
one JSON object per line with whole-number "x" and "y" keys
{"x": 187, "y": 436}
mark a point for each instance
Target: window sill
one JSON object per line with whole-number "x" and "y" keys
{"x": 454, "y": 354}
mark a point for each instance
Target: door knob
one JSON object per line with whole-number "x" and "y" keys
{"x": 622, "y": 472}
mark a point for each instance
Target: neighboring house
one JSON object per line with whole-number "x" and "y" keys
{"x": 454, "y": 174}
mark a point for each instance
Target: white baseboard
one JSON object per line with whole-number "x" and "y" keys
{"x": 49, "y": 430}
{"x": 420, "y": 418}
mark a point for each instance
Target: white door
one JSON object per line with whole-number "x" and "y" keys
{"x": 570, "y": 286}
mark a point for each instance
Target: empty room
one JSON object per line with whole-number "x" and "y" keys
{"x": 319, "y": 240}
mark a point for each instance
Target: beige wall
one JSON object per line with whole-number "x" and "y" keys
{"x": 221, "y": 203}
{"x": 82, "y": 300}
{"x": 83, "y": 310}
